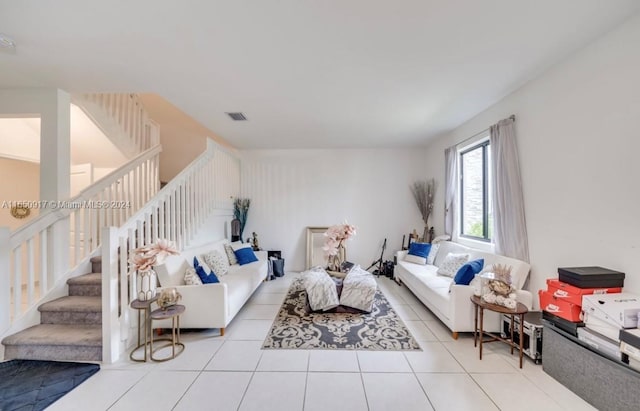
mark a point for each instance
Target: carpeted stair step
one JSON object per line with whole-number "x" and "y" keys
{"x": 86, "y": 285}
{"x": 96, "y": 264}
{"x": 72, "y": 310}
{"x": 61, "y": 342}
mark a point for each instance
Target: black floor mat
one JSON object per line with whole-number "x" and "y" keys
{"x": 27, "y": 385}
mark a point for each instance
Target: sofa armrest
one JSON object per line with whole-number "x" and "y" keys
{"x": 207, "y": 299}
{"x": 401, "y": 254}
{"x": 262, "y": 255}
{"x": 525, "y": 297}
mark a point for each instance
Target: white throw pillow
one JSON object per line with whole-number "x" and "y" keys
{"x": 217, "y": 262}
{"x": 452, "y": 263}
{"x": 191, "y": 278}
{"x": 432, "y": 253}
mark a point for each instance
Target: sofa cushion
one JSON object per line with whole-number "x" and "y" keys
{"x": 452, "y": 263}
{"x": 171, "y": 273}
{"x": 468, "y": 270}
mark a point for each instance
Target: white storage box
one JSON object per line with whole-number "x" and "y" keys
{"x": 607, "y": 329}
{"x": 599, "y": 342}
{"x": 619, "y": 310}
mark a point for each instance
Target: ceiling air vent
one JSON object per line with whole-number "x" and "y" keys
{"x": 237, "y": 116}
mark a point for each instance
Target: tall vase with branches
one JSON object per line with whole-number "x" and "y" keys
{"x": 424, "y": 194}
{"x": 240, "y": 211}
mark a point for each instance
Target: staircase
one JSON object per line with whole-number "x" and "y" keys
{"x": 50, "y": 309}
{"x": 70, "y": 327}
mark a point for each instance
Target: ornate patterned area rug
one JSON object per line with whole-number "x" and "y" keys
{"x": 34, "y": 385}
{"x": 296, "y": 328}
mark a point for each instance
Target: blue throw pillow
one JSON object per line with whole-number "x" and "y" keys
{"x": 204, "y": 272}
{"x": 466, "y": 273}
{"x": 245, "y": 256}
{"x": 418, "y": 253}
{"x": 420, "y": 249}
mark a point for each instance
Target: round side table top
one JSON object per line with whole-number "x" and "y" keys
{"x": 520, "y": 308}
{"x": 164, "y": 313}
{"x": 139, "y": 305}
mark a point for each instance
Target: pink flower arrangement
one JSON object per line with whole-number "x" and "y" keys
{"x": 144, "y": 258}
{"x": 336, "y": 235}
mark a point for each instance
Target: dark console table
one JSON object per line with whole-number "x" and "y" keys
{"x": 605, "y": 383}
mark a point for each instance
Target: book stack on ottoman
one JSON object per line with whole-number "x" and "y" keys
{"x": 561, "y": 302}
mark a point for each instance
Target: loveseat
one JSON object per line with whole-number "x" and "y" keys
{"x": 211, "y": 305}
{"x": 451, "y": 303}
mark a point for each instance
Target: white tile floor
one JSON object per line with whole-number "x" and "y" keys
{"x": 233, "y": 373}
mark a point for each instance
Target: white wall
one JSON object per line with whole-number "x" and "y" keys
{"x": 293, "y": 189}
{"x": 20, "y": 182}
{"x": 578, "y": 137}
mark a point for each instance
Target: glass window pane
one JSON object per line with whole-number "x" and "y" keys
{"x": 489, "y": 194}
{"x": 472, "y": 193}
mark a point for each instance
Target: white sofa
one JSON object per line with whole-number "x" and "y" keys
{"x": 451, "y": 303}
{"x": 211, "y": 305}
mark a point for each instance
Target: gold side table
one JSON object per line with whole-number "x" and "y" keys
{"x": 143, "y": 307}
{"x": 177, "y": 347}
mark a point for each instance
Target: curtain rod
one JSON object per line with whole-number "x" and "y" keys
{"x": 511, "y": 117}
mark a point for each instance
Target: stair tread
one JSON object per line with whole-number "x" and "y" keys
{"x": 73, "y": 303}
{"x": 57, "y": 334}
{"x": 86, "y": 279}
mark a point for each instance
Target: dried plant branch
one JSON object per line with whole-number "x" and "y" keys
{"x": 424, "y": 194}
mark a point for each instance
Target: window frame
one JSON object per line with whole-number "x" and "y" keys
{"x": 485, "y": 145}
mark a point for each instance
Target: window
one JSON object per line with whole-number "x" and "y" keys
{"x": 475, "y": 188}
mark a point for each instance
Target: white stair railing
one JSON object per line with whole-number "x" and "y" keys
{"x": 33, "y": 258}
{"x": 174, "y": 214}
{"x": 127, "y": 111}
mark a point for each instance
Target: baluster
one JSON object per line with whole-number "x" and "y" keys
{"x": 187, "y": 211}
{"x": 30, "y": 271}
{"x": 123, "y": 274}
{"x": 44, "y": 287}
{"x": 5, "y": 278}
{"x": 77, "y": 255}
{"x": 17, "y": 282}
{"x": 140, "y": 234}
{"x": 147, "y": 228}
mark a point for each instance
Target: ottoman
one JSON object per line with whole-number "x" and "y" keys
{"x": 358, "y": 289}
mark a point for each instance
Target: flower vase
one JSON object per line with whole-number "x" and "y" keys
{"x": 146, "y": 285}
{"x": 334, "y": 262}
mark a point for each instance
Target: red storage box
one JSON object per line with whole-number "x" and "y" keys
{"x": 574, "y": 294}
{"x": 559, "y": 306}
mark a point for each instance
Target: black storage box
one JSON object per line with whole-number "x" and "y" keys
{"x": 591, "y": 277}
{"x": 630, "y": 338}
{"x": 561, "y": 323}
{"x": 532, "y": 333}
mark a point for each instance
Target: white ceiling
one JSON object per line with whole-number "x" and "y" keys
{"x": 20, "y": 140}
{"x": 307, "y": 73}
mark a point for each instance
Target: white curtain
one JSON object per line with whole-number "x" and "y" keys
{"x": 451, "y": 181}
{"x": 509, "y": 224}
